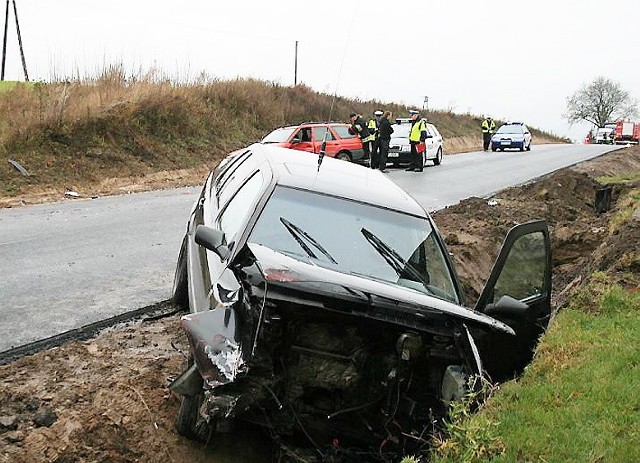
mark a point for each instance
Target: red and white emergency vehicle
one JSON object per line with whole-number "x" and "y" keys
{"x": 626, "y": 133}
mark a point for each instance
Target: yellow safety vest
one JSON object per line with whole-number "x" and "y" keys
{"x": 488, "y": 128}
{"x": 371, "y": 125}
{"x": 416, "y": 130}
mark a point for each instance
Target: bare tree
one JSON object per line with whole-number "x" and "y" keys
{"x": 600, "y": 102}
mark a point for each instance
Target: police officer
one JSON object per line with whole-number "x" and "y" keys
{"x": 372, "y": 125}
{"x": 417, "y": 134}
{"x": 488, "y": 127}
{"x": 385, "y": 130}
{"x": 360, "y": 128}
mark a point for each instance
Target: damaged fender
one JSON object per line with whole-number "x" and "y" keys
{"x": 217, "y": 352}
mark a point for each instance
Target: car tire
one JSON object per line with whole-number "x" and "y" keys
{"x": 180, "y": 291}
{"x": 438, "y": 160}
{"x": 529, "y": 147}
{"x": 493, "y": 148}
{"x": 522, "y": 147}
{"x": 188, "y": 423}
{"x": 343, "y": 156}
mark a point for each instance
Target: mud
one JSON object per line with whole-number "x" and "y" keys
{"x": 106, "y": 399}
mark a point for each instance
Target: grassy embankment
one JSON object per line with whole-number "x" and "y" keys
{"x": 81, "y": 134}
{"x": 579, "y": 401}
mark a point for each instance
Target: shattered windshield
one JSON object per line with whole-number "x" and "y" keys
{"x": 328, "y": 231}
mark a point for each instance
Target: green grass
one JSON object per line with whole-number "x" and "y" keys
{"x": 579, "y": 401}
{"x": 6, "y": 85}
{"x": 622, "y": 179}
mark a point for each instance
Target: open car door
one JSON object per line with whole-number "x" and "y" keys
{"x": 518, "y": 293}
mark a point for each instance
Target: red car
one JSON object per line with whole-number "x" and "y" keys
{"x": 309, "y": 137}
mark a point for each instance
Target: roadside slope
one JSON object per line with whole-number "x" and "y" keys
{"x": 117, "y": 133}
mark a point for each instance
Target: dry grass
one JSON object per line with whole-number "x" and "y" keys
{"x": 79, "y": 132}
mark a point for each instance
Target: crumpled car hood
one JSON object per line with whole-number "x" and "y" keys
{"x": 283, "y": 270}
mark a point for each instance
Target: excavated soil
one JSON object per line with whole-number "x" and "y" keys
{"x": 106, "y": 399}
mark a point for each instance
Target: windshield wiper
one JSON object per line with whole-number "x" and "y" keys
{"x": 394, "y": 259}
{"x": 298, "y": 233}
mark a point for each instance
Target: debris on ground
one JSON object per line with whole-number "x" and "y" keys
{"x": 19, "y": 167}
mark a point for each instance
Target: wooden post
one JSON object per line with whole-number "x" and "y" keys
{"x": 24, "y": 63}
{"x": 4, "y": 42}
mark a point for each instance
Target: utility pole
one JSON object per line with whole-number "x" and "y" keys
{"x": 24, "y": 63}
{"x": 4, "y": 42}
{"x": 295, "y": 71}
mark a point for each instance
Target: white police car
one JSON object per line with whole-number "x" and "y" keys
{"x": 400, "y": 150}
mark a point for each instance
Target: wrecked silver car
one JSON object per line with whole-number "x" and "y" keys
{"x": 323, "y": 302}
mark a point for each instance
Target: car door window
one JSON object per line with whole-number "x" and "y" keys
{"x": 224, "y": 171}
{"x": 320, "y": 132}
{"x": 303, "y": 135}
{"x": 343, "y": 131}
{"x": 238, "y": 173}
{"x": 523, "y": 274}
{"x": 240, "y": 207}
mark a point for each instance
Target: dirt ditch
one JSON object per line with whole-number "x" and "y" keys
{"x": 106, "y": 399}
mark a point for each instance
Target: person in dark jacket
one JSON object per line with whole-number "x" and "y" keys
{"x": 384, "y": 131}
{"x": 360, "y": 128}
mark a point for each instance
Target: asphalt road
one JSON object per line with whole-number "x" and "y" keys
{"x": 65, "y": 265}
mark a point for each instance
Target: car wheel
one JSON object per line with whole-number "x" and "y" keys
{"x": 501, "y": 149}
{"x": 493, "y": 148}
{"x": 522, "y": 147}
{"x": 343, "y": 156}
{"x": 189, "y": 423}
{"x": 180, "y": 291}
{"x": 529, "y": 147}
{"x": 438, "y": 160}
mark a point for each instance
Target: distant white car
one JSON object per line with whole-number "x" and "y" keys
{"x": 400, "y": 150}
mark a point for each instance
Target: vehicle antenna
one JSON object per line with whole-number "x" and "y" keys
{"x": 335, "y": 92}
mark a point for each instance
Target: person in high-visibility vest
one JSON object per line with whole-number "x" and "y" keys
{"x": 360, "y": 127}
{"x": 417, "y": 135}
{"x": 488, "y": 127}
{"x": 375, "y": 143}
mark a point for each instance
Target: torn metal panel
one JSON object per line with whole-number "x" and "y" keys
{"x": 216, "y": 349}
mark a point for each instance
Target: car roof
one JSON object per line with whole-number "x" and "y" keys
{"x": 313, "y": 124}
{"x": 299, "y": 169}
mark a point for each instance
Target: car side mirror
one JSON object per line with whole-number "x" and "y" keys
{"x": 507, "y": 307}
{"x": 429, "y": 136}
{"x": 295, "y": 141}
{"x": 212, "y": 239}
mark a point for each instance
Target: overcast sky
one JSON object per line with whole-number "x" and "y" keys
{"x": 514, "y": 60}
